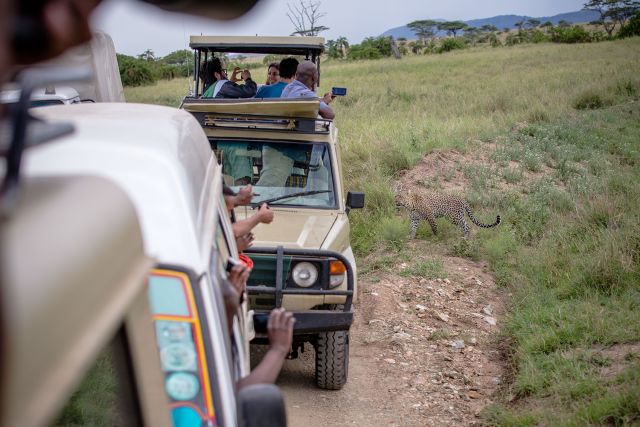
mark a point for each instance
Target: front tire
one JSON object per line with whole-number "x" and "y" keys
{"x": 332, "y": 360}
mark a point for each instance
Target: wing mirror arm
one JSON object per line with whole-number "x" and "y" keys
{"x": 355, "y": 200}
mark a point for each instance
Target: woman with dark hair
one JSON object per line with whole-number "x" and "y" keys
{"x": 287, "y": 68}
{"x": 223, "y": 87}
{"x": 273, "y": 73}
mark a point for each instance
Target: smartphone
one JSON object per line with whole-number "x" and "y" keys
{"x": 339, "y": 91}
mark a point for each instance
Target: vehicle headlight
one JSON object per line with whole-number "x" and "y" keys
{"x": 305, "y": 274}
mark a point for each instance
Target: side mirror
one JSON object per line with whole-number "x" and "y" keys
{"x": 261, "y": 405}
{"x": 355, "y": 200}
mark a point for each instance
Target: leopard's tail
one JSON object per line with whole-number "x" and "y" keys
{"x": 478, "y": 223}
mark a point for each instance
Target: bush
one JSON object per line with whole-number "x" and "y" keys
{"x": 451, "y": 43}
{"x": 371, "y": 48}
{"x": 590, "y": 100}
{"x": 515, "y": 38}
{"x": 135, "y": 72}
{"x": 575, "y": 34}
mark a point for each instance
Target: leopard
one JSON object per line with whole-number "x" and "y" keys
{"x": 429, "y": 205}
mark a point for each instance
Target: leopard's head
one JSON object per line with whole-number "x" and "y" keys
{"x": 404, "y": 197}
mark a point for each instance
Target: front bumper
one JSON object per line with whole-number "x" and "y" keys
{"x": 307, "y": 321}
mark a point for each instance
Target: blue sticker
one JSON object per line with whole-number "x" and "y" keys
{"x": 182, "y": 386}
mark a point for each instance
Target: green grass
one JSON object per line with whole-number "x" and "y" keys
{"x": 568, "y": 249}
{"x": 427, "y": 269}
{"x": 95, "y": 402}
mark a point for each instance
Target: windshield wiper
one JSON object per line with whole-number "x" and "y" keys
{"x": 288, "y": 196}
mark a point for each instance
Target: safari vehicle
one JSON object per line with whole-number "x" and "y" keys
{"x": 303, "y": 260}
{"x": 161, "y": 160}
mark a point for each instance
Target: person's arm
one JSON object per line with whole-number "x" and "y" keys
{"x": 264, "y": 215}
{"x": 325, "y": 111}
{"x": 280, "y": 332}
{"x": 234, "y": 90}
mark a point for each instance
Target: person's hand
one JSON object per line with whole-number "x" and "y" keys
{"x": 244, "y": 242}
{"x": 265, "y": 214}
{"x": 245, "y": 194}
{"x": 246, "y": 75}
{"x": 328, "y": 97}
{"x": 234, "y": 75}
{"x": 280, "y": 330}
{"x": 238, "y": 277}
{"x": 231, "y": 302}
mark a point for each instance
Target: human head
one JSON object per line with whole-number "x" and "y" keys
{"x": 273, "y": 73}
{"x": 307, "y": 74}
{"x": 216, "y": 70}
{"x": 288, "y": 67}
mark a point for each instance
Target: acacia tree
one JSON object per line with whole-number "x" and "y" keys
{"x": 488, "y": 28}
{"x": 533, "y": 23}
{"x": 424, "y": 29}
{"x": 147, "y": 55}
{"x": 613, "y": 12}
{"x": 452, "y": 27}
{"x": 305, "y": 18}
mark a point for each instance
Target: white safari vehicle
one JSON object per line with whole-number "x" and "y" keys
{"x": 302, "y": 261}
{"x": 160, "y": 158}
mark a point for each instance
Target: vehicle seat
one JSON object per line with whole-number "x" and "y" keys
{"x": 296, "y": 181}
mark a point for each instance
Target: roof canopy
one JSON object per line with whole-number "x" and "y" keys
{"x": 269, "y": 45}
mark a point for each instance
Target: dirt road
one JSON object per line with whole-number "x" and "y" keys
{"x": 423, "y": 351}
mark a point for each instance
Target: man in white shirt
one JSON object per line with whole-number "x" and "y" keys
{"x": 304, "y": 86}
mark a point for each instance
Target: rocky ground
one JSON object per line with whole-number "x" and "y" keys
{"x": 424, "y": 352}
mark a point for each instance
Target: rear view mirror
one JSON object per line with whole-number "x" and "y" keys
{"x": 355, "y": 200}
{"x": 261, "y": 405}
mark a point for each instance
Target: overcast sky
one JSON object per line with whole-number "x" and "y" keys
{"x": 137, "y": 27}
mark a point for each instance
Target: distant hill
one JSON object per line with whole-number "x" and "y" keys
{"x": 506, "y": 21}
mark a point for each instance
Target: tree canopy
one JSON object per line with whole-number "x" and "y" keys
{"x": 424, "y": 29}
{"x": 452, "y": 27}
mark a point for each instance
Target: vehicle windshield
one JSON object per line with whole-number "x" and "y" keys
{"x": 283, "y": 173}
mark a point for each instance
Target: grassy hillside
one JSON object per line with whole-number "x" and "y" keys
{"x": 556, "y": 131}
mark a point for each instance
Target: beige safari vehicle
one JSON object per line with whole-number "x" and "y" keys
{"x": 303, "y": 261}
{"x": 113, "y": 248}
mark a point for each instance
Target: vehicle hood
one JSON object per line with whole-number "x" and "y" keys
{"x": 292, "y": 228}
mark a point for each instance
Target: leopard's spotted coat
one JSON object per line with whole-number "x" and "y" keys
{"x": 429, "y": 205}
